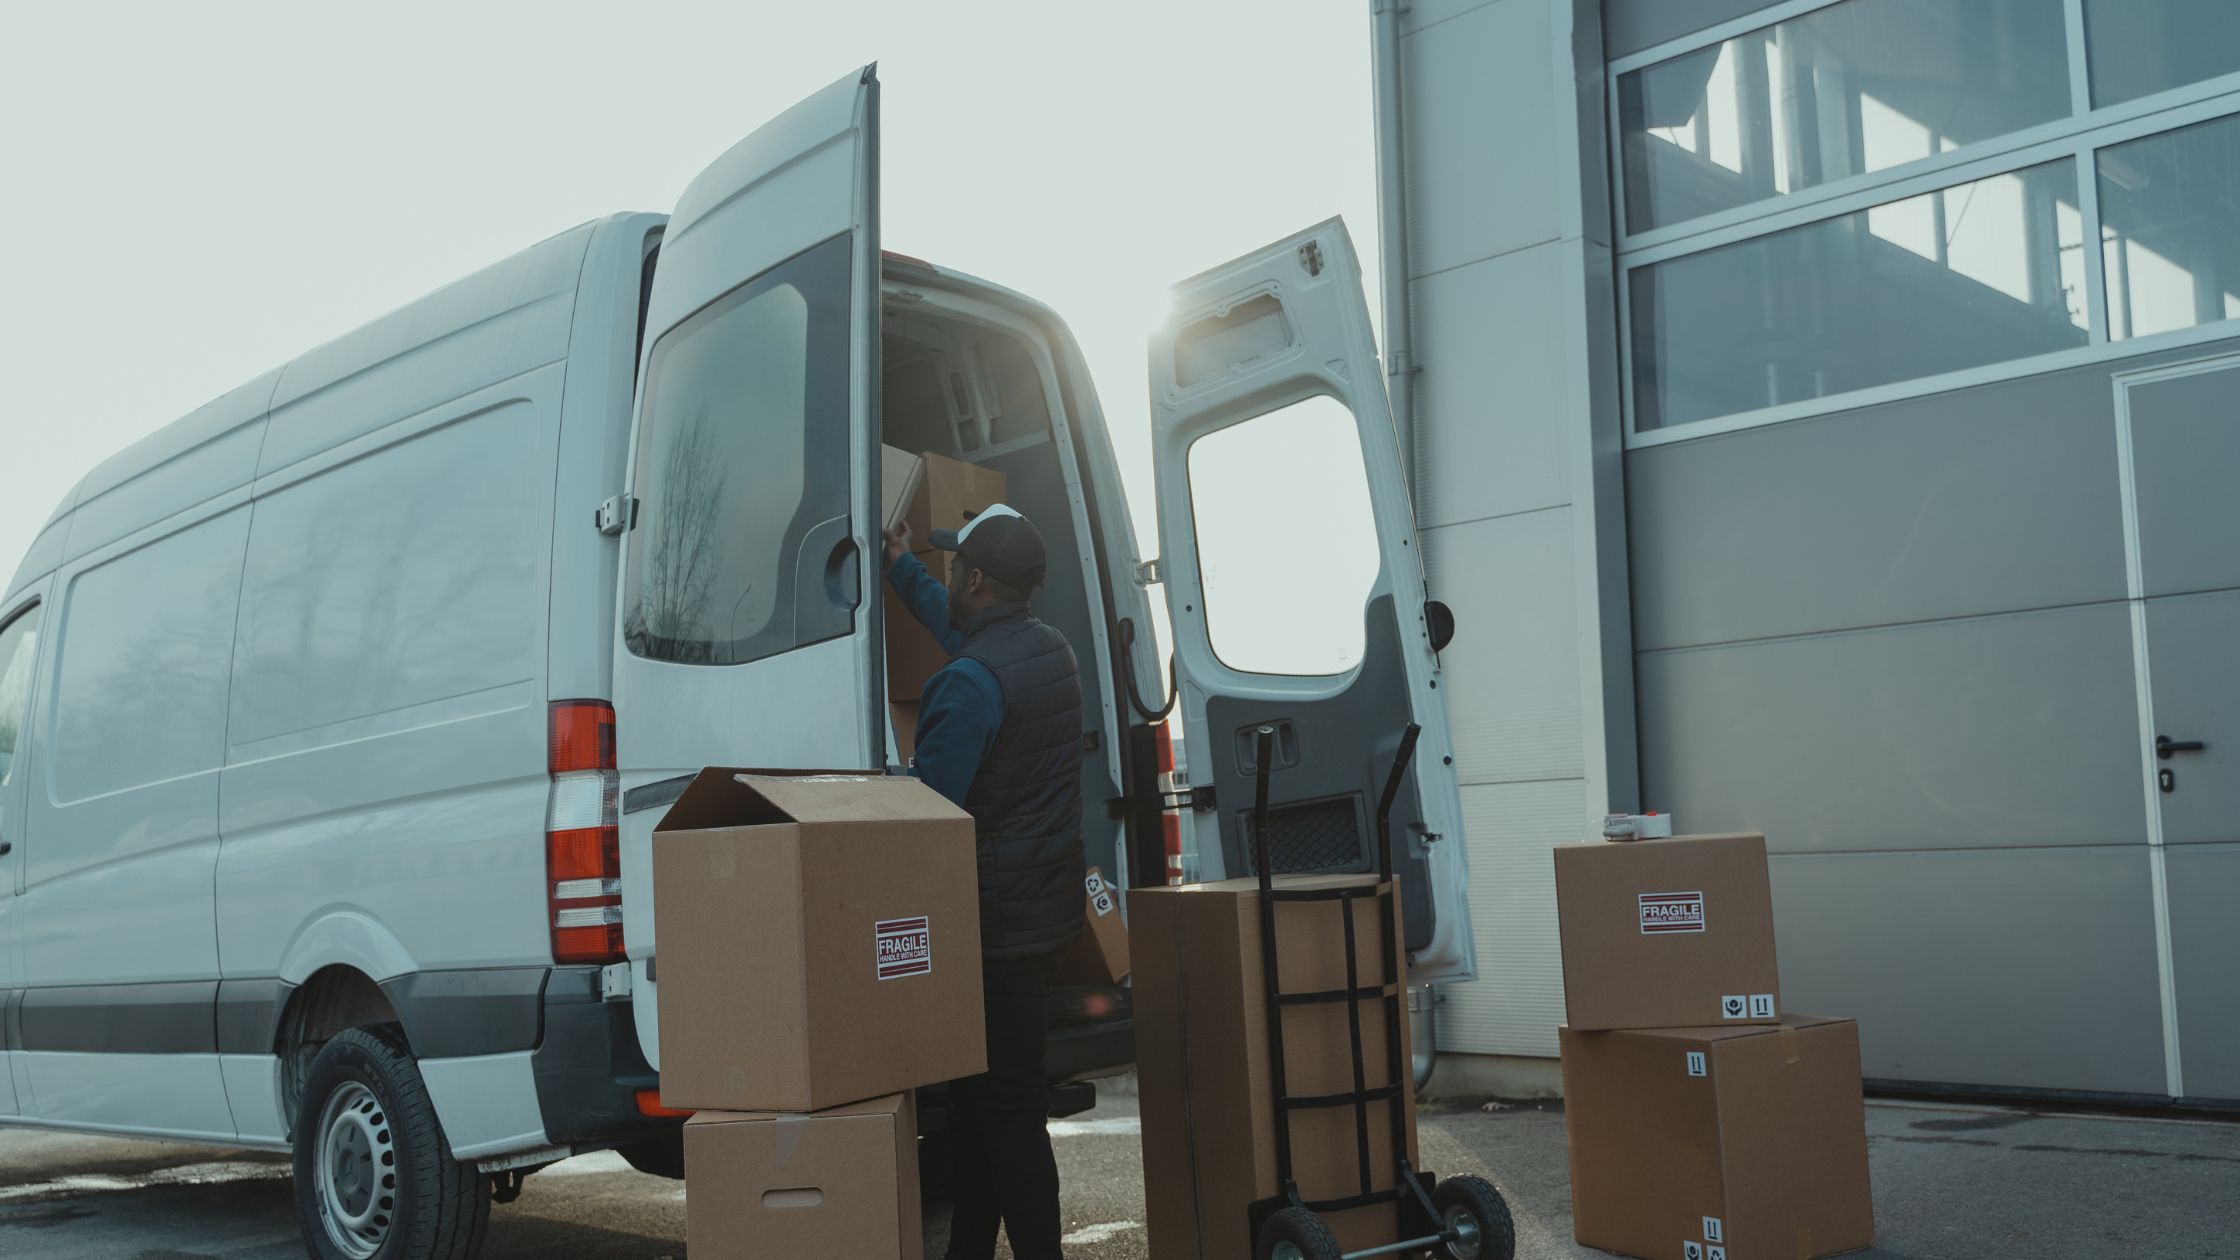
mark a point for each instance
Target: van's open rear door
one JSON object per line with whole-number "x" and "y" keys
{"x": 1271, "y": 357}
{"x": 751, "y": 548}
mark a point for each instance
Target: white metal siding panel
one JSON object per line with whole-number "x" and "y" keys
{"x": 1513, "y": 670}
{"x": 1518, "y": 1004}
{"x": 1415, "y": 15}
{"x": 1480, "y": 120}
{"x": 1496, "y": 432}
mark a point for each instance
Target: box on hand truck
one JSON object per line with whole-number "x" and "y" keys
{"x": 1281, "y": 1122}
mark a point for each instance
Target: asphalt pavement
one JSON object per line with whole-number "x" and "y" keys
{"x": 1950, "y": 1182}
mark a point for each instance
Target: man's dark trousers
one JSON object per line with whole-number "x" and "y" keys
{"x": 1004, "y": 1169}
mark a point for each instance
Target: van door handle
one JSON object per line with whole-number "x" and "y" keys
{"x": 7, "y": 847}
{"x": 2166, "y": 747}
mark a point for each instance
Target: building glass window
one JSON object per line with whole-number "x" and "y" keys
{"x": 2170, "y": 229}
{"x": 1857, "y": 87}
{"x": 1979, "y": 273}
{"x": 2139, "y": 47}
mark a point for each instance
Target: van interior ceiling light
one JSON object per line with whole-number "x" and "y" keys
{"x": 583, "y": 851}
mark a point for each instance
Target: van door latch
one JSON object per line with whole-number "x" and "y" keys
{"x": 1147, "y": 573}
{"x": 618, "y": 514}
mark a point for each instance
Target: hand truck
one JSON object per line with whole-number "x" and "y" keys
{"x": 1463, "y": 1218}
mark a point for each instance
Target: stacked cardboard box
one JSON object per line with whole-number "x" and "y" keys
{"x": 1705, "y": 1124}
{"x": 928, "y": 492}
{"x": 1099, "y": 956}
{"x": 1203, "y": 1067}
{"x": 819, "y": 959}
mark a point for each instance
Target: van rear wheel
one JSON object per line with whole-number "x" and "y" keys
{"x": 374, "y": 1177}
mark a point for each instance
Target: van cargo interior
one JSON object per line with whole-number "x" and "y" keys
{"x": 969, "y": 380}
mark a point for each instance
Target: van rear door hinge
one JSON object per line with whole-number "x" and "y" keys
{"x": 617, "y": 514}
{"x": 1147, "y": 573}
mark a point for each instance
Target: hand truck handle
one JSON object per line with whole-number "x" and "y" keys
{"x": 1400, "y": 760}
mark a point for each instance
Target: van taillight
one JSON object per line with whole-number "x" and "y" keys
{"x": 582, "y": 835}
{"x": 1170, "y": 820}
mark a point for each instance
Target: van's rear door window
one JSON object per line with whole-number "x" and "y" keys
{"x": 742, "y": 462}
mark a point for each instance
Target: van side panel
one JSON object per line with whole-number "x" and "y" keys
{"x": 122, "y": 829}
{"x": 496, "y": 324}
{"x": 116, "y": 923}
{"x": 211, "y": 450}
{"x": 386, "y": 756}
{"x": 385, "y": 784}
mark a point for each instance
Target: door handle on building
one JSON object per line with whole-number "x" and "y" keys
{"x": 2166, "y": 747}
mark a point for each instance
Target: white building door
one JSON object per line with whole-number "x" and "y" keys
{"x": 2179, "y": 433}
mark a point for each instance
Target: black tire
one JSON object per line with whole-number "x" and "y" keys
{"x": 1472, "y": 1205}
{"x": 366, "y": 1111}
{"x": 1295, "y": 1234}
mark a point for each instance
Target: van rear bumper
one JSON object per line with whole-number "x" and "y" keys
{"x": 589, "y": 1067}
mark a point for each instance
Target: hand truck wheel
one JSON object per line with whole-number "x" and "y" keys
{"x": 1477, "y": 1217}
{"x": 1296, "y": 1234}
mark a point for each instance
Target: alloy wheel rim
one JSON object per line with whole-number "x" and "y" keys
{"x": 1464, "y": 1227}
{"x": 356, "y": 1171}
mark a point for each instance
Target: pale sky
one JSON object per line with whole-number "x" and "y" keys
{"x": 192, "y": 194}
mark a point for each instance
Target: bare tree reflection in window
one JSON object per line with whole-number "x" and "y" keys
{"x": 680, "y": 571}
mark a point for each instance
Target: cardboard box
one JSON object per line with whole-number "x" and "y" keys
{"x": 1202, "y": 1061}
{"x": 1723, "y": 1143}
{"x": 929, "y": 492}
{"x": 819, "y": 940}
{"x": 1099, "y": 956}
{"x": 904, "y": 715}
{"x": 941, "y": 493}
{"x": 841, "y": 1182}
{"x": 1667, "y": 933}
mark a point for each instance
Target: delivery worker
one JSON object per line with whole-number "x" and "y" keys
{"x": 999, "y": 733}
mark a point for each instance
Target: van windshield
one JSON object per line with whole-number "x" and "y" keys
{"x": 742, "y": 457}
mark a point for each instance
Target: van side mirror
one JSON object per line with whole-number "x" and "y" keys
{"x": 1438, "y": 623}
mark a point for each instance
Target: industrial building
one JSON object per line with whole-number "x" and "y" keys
{"x": 1824, "y": 418}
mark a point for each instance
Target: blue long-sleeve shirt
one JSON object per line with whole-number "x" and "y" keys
{"x": 962, "y": 705}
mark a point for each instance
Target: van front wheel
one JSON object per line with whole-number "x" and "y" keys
{"x": 374, "y": 1177}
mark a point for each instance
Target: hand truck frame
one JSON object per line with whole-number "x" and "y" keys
{"x": 1463, "y": 1217}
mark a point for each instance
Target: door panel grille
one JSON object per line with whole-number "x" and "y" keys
{"x": 1311, "y": 836}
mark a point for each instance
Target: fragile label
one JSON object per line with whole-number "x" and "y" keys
{"x": 1697, "y": 1066}
{"x": 905, "y": 947}
{"x": 1692, "y": 1249}
{"x": 1734, "y": 1006}
{"x": 1103, "y": 904}
{"x": 1671, "y": 912}
{"x": 1715, "y": 1253}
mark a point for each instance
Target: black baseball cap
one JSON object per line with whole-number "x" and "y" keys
{"x": 1000, "y": 543}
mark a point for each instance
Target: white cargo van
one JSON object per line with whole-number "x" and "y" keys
{"x": 335, "y": 718}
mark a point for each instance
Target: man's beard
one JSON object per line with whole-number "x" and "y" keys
{"x": 957, "y": 616}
